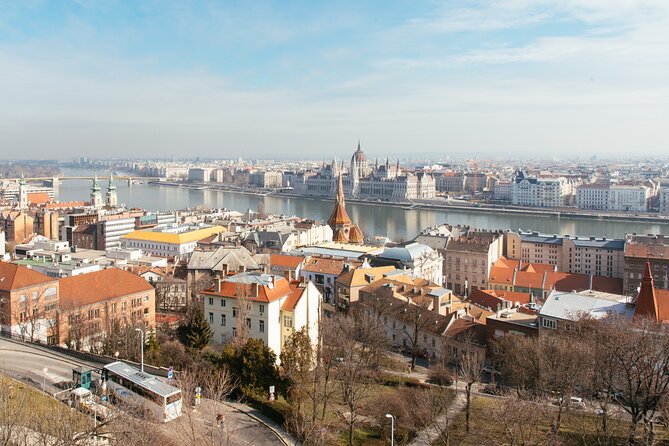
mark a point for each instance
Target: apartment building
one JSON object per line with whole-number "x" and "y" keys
{"x": 172, "y": 241}
{"x": 323, "y": 272}
{"x": 90, "y": 304}
{"x": 28, "y": 303}
{"x": 261, "y": 306}
{"x": 349, "y": 283}
{"x": 468, "y": 259}
{"x": 664, "y": 200}
{"x": 17, "y": 226}
{"x": 582, "y": 255}
{"x": 640, "y": 249}
{"x": 630, "y": 197}
{"x": 537, "y": 191}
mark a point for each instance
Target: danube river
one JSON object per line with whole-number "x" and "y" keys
{"x": 391, "y": 221}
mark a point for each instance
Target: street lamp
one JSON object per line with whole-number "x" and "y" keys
{"x": 45, "y": 370}
{"x": 142, "y": 345}
{"x": 392, "y": 429}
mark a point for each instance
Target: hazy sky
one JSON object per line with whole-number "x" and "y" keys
{"x": 270, "y": 79}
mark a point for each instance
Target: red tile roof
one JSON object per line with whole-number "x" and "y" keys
{"x": 294, "y": 297}
{"x": 98, "y": 286}
{"x": 14, "y": 277}
{"x": 252, "y": 291}
{"x": 285, "y": 261}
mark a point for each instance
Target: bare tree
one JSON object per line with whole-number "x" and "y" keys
{"x": 521, "y": 421}
{"x": 357, "y": 344}
{"x": 469, "y": 371}
{"x": 432, "y": 411}
{"x": 215, "y": 385}
{"x": 634, "y": 370}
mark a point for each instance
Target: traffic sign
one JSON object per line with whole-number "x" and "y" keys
{"x": 170, "y": 373}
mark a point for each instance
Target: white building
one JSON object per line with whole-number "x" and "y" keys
{"x": 177, "y": 241}
{"x": 502, "y": 190}
{"x": 563, "y": 309}
{"x": 664, "y": 200}
{"x": 630, "y": 197}
{"x": 538, "y": 192}
{"x": 263, "y": 306}
{"x": 593, "y": 196}
{"x": 110, "y": 231}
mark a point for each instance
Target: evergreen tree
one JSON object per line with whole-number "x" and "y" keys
{"x": 198, "y": 333}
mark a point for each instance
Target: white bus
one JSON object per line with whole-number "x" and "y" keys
{"x": 142, "y": 391}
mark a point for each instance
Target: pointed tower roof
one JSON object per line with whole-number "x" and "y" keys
{"x": 22, "y": 181}
{"x": 339, "y": 215}
{"x": 646, "y": 301}
{"x": 96, "y": 184}
{"x": 111, "y": 185}
{"x": 355, "y": 235}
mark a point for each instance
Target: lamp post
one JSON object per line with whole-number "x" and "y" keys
{"x": 45, "y": 370}
{"x": 392, "y": 429}
{"x": 141, "y": 346}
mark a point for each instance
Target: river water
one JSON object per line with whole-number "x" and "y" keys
{"x": 394, "y": 222}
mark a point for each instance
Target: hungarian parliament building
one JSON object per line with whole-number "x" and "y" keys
{"x": 379, "y": 182}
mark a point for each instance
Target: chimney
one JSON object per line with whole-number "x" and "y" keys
{"x": 499, "y": 310}
{"x": 520, "y": 265}
{"x": 590, "y": 282}
{"x": 218, "y": 284}
{"x": 254, "y": 290}
{"x": 513, "y": 280}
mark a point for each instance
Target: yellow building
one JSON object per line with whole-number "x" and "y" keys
{"x": 173, "y": 241}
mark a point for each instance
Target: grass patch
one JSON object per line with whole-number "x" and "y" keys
{"x": 23, "y": 407}
{"x": 577, "y": 427}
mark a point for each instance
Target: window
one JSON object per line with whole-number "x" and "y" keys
{"x": 549, "y": 323}
{"x": 248, "y": 322}
{"x": 261, "y": 308}
{"x": 234, "y": 311}
{"x": 222, "y": 302}
{"x": 211, "y": 301}
{"x": 234, "y": 332}
{"x": 288, "y": 321}
{"x": 211, "y": 318}
{"x": 261, "y": 326}
{"x": 223, "y": 320}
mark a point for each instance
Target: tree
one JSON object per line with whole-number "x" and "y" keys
{"x": 634, "y": 369}
{"x": 469, "y": 371}
{"x": 297, "y": 359}
{"x": 253, "y": 364}
{"x": 197, "y": 332}
{"x": 356, "y": 344}
{"x": 216, "y": 384}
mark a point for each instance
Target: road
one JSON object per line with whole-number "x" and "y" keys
{"x": 26, "y": 363}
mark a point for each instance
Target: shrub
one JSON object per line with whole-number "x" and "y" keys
{"x": 440, "y": 374}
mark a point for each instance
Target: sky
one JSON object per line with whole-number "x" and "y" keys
{"x": 308, "y": 79}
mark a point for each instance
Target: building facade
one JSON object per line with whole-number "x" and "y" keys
{"x": 261, "y": 306}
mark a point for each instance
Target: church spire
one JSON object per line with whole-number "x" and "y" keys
{"x": 646, "y": 301}
{"x": 111, "y": 185}
{"x": 96, "y": 185}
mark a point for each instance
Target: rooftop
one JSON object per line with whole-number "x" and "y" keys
{"x": 174, "y": 235}
{"x": 571, "y": 305}
{"x": 98, "y": 286}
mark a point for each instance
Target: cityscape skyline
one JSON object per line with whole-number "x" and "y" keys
{"x": 109, "y": 79}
